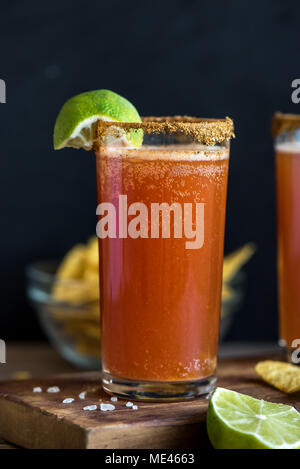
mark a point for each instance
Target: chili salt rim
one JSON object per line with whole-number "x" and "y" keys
{"x": 201, "y": 130}
{"x": 284, "y": 123}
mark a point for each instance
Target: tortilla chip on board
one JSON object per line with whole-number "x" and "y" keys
{"x": 283, "y": 376}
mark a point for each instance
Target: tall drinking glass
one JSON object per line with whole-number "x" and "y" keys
{"x": 286, "y": 130}
{"x": 161, "y": 210}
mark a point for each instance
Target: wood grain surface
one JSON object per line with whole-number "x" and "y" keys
{"x": 41, "y": 420}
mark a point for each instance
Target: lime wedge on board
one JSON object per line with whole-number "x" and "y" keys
{"x": 238, "y": 421}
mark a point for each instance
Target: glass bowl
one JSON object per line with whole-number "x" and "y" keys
{"x": 73, "y": 327}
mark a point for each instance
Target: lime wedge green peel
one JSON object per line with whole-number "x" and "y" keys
{"x": 238, "y": 421}
{"x": 77, "y": 120}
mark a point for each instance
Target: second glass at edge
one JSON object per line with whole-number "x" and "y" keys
{"x": 286, "y": 130}
{"x": 160, "y": 301}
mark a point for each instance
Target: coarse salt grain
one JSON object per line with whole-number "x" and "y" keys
{"x": 135, "y": 407}
{"x": 82, "y": 395}
{"x": 90, "y": 407}
{"x": 69, "y": 400}
{"x": 114, "y": 399}
{"x": 105, "y": 407}
{"x": 37, "y": 389}
{"x": 129, "y": 404}
{"x": 53, "y": 389}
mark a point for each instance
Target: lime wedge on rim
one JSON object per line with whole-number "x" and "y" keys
{"x": 238, "y": 421}
{"x": 76, "y": 122}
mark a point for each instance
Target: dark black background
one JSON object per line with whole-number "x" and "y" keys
{"x": 204, "y": 58}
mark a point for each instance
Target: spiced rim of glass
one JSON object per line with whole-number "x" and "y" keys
{"x": 205, "y": 131}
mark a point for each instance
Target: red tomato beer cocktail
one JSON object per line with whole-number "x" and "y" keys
{"x": 162, "y": 186}
{"x": 286, "y": 129}
{"x": 161, "y": 234}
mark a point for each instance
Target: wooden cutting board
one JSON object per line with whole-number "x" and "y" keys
{"x": 40, "y": 420}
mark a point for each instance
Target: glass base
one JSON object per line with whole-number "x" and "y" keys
{"x": 158, "y": 390}
{"x": 292, "y": 355}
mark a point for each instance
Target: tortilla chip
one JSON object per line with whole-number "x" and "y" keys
{"x": 80, "y": 263}
{"x": 234, "y": 261}
{"x": 92, "y": 254}
{"x": 283, "y": 376}
{"x": 72, "y": 266}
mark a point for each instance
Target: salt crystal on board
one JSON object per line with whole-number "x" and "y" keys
{"x": 114, "y": 399}
{"x": 82, "y": 395}
{"x": 129, "y": 404}
{"x": 105, "y": 407}
{"x": 37, "y": 389}
{"x": 53, "y": 389}
{"x": 68, "y": 400}
{"x": 135, "y": 407}
{"x": 90, "y": 407}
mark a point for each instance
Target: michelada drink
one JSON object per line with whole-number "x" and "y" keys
{"x": 286, "y": 129}
{"x": 162, "y": 186}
